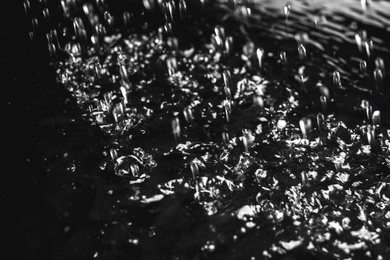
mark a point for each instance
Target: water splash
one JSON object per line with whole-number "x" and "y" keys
{"x": 269, "y": 155}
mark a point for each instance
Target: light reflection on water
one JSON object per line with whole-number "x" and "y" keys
{"x": 266, "y": 135}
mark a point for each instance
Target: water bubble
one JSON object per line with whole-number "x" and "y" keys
{"x": 301, "y": 52}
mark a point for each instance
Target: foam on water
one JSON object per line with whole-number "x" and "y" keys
{"x": 267, "y": 131}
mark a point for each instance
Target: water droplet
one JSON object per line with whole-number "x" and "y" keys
{"x": 183, "y": 10}
{"x": 260, "y": 55}
{"x": 305, "y": 126}
{"x": 109, "y": 19}
{"x": 286, "y": 11}
{"x": 171, "y": 65}
{"x": 336, "y": 79}
{"x": 283, "y": 57}
{"x": 248, "y": 139}
{"x": 320, "y": 122}
{"x": 324, "y": 104}
{"x": 188, "y": 114}
{"x": 365, "y": 4}
{"x": 376, "y": 118}
{"x": 248, "y": 49}
{"x": 369, "y": 47}
{"x": 113, "y": 154}
{"x": 71, "y": 167}
{"x": 176, "y": 129}
{"x": 227, "y": 108}
{"x": 378, "y": 76}
{"x": 80, "y": 31}
{"x": 46, "y": 15}
{"x": 149, "y": 4}
{"x": 225, "y": 138}
{"x": 363, "y": 66}
{"x": 368, "y": 109}
{"x": 301, "y": 52}
{"x": 27, "y": 8}
{"x": 227, "y": 79}
{"x": 127, "y": 19}
{"x": 371, "y": 135}
{"x": 360, "y": 38}
{"x": 380, "y": 64}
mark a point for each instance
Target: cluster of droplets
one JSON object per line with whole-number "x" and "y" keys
{"x": 234, "y": 127}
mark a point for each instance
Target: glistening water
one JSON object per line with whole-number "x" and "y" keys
{"x": 217, "y": 129}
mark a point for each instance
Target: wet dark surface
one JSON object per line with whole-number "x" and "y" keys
{"x": 60, "y": 204}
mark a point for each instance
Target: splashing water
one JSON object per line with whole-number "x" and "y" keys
{"x": 235, "y": 128}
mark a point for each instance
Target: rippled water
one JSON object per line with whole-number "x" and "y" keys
{"x": 220, "y": 129}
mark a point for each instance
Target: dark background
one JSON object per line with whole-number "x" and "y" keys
{"x": 27, "y": 80}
